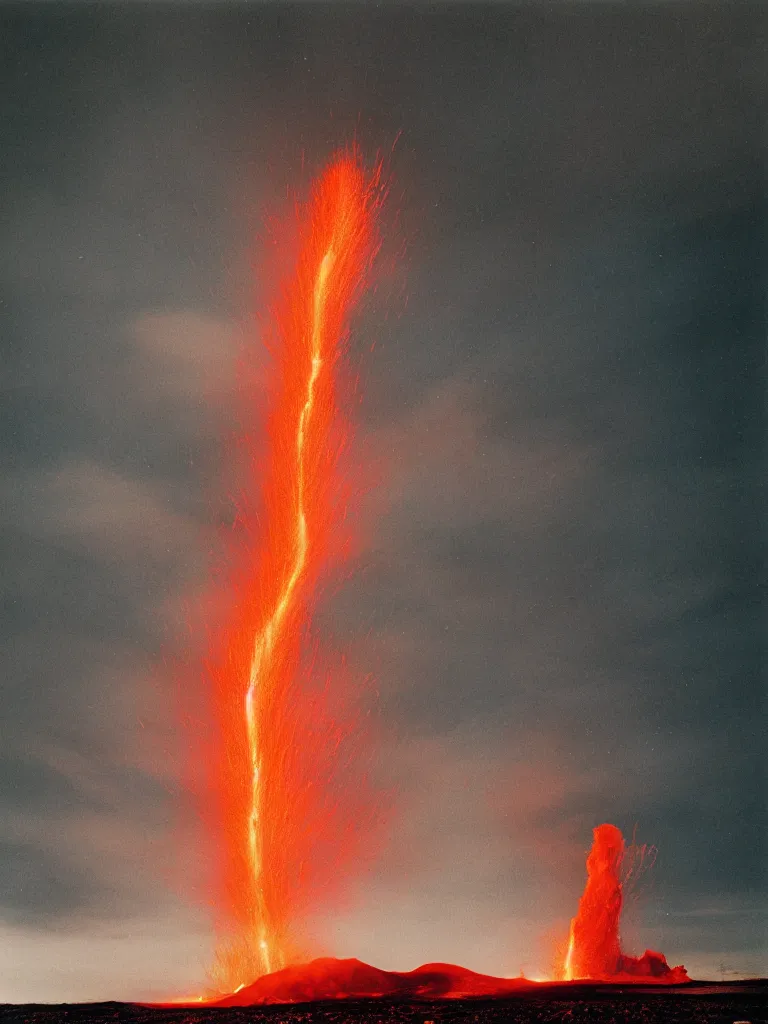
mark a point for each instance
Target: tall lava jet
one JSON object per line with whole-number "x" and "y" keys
{"x": 275, "y": 745}
{"x": 594, "y": 944}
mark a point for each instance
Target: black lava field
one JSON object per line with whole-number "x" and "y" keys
{"x": 711, "y": 1004}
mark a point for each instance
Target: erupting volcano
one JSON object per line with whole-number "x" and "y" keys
{"x": 280, "y": 839}
{"x": 276, "y": 742}
{"x": 594, "y": 946}
{"x": 594, "y": 952}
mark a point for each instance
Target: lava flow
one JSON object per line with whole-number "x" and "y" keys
{"x": 275, "y": 743}
{"x": 594, "y": 945}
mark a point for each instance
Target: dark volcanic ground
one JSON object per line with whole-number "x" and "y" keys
{"x": 713, "y": 1004}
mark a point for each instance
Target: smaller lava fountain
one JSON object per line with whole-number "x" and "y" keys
{"x": 594, "y": 946}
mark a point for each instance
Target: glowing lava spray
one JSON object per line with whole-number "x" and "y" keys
{"x": 594, "y": 944}
{"x": 276, "y": 742}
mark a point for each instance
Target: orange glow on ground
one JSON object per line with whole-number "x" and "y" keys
{"x": 279, "y": 843}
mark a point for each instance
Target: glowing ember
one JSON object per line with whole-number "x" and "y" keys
{"x": 594, "y": 946}
{"x": 274, "y": 743}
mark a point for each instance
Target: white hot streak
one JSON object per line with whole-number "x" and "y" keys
{"x": 265, "y": 642}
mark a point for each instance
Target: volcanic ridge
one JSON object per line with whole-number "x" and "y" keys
{"x": 331, "y": 978}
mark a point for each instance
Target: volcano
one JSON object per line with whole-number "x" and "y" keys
{"x": 286, "y": 832}
{"x": 330, "y": 978}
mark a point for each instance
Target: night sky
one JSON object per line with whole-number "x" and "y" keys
{"x": 562, "y": 391}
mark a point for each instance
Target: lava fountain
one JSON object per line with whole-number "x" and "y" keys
{"x": 275, "y": 745}
{"x": 594, "y": 944}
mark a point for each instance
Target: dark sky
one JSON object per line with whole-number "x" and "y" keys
{"x": 560, "y": 598}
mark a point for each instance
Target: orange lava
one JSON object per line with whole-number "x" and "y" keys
{"x": 594, "y": 944}
{"x": 275, "y": 745}
{"x": 329, "y": 978}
